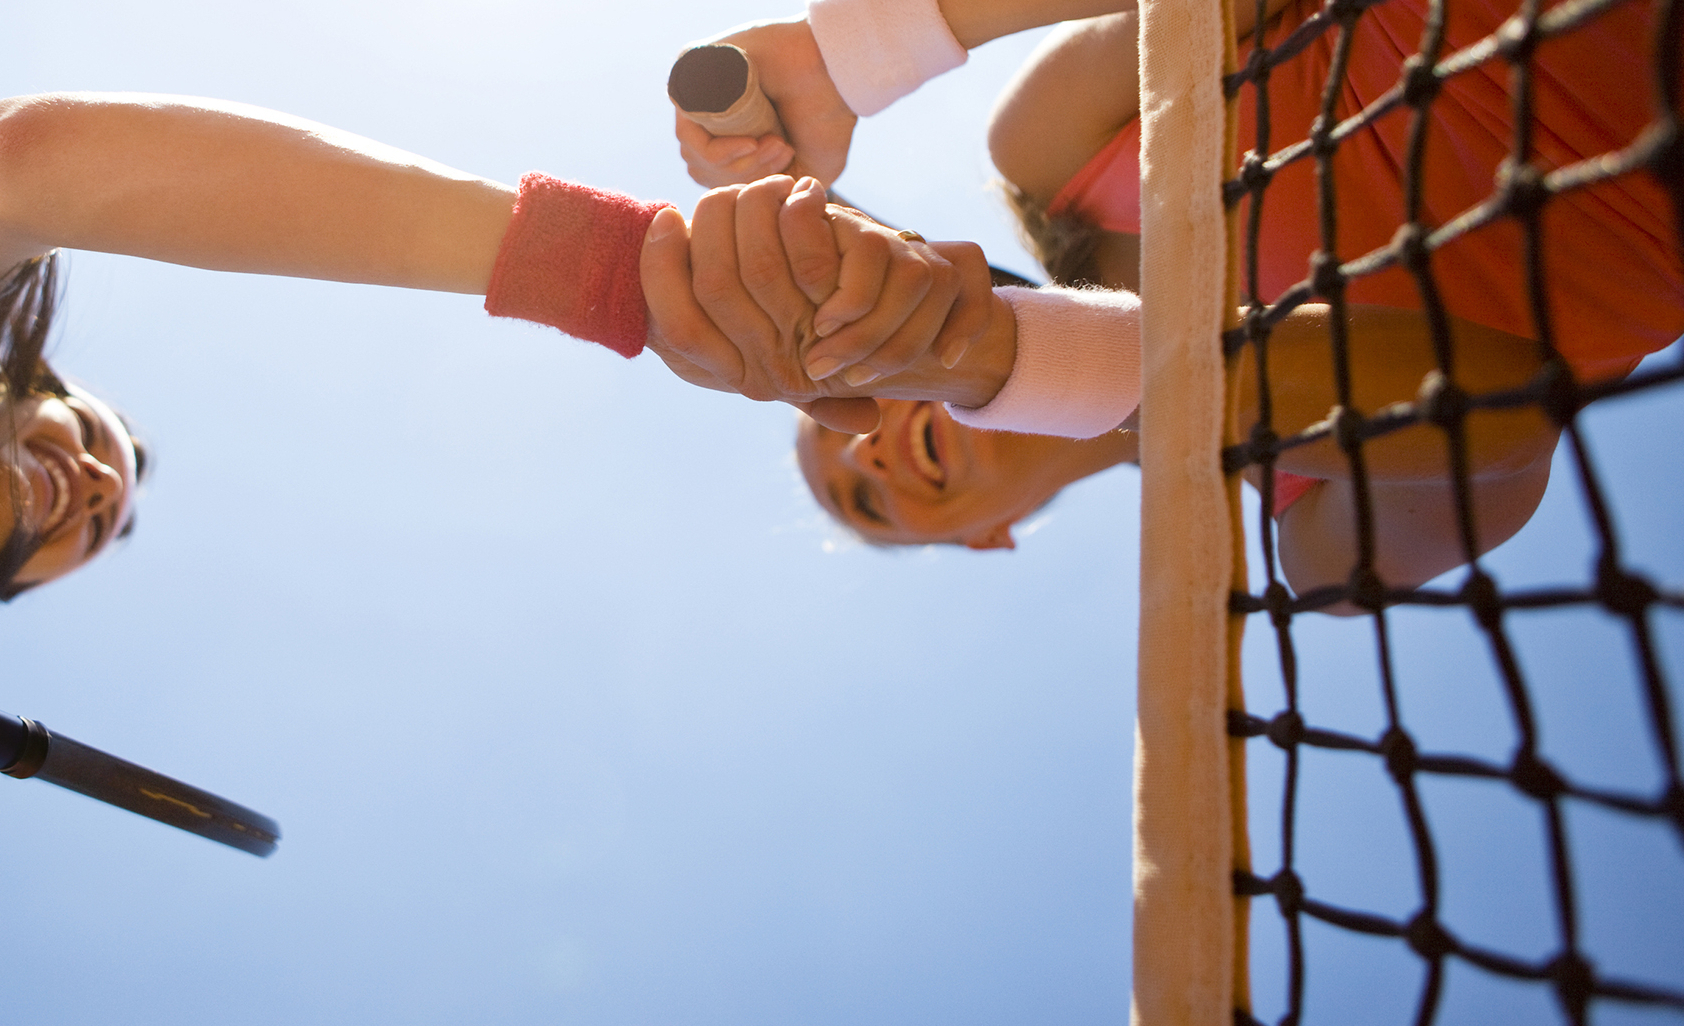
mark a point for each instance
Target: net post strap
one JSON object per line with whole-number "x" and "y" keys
{"x": 1188, "y": 955}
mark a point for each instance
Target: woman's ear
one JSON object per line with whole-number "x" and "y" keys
{"x": 996, "y": 537}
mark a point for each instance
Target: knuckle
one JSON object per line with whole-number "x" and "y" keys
{"x": 791, "y": 384}
{"x": 759, "y": 271}
{"x": 753, "y": 386}
{"x": 812, "y": 267}
{"x": 875, "y": 246}
{"x": 712, "y": 288}
{"x": 771, "y": 187}
{"x": 912, "y": 274}
{"x": 945, "y": 281}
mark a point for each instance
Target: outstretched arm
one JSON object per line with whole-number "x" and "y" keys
{"x": 801, "y": 78}
{"x": 1416, "y": 532}
{"x": 849, "y": 58}
{"x": 232, "y": 187}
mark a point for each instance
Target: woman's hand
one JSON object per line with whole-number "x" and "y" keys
{"x": 793, "y": 76}
{"x": 735, "y": 309}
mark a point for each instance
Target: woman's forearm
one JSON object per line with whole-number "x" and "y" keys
{"x": 1416, "y": 530}
{"x": 1391, "y": 352}
{"x": 231, "y": 187}
{"x": 975, "y": 22}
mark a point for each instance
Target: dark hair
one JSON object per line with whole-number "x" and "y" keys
{"x": 30, "y": 295}
{"x": 1064, "y": 246}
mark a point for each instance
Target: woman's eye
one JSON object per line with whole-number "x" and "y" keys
{"x": 862, "y": 502}
{"x": 96, "y": 533}
{"x": 87, "y": 423}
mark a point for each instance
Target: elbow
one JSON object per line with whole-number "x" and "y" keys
{"x": 1003, "y": 142}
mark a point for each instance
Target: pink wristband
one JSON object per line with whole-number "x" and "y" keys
{"x": 570, "y": 259}
{"x": 877, "y": 51}
{"x": 1077, "y": 370}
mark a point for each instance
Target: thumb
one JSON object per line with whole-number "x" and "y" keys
{"x": 849, "y": 416}
{"x": 677, "y": 324}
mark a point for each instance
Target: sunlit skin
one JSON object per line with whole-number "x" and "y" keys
{"x": 922, "y": 478}
{"x": 70, "y": 467}
{"x": 225, "y": 186}
{"x": 1040, "y": 137}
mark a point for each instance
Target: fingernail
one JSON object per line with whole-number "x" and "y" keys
{"x": 662, "y": 225}
{"x": 826, "y": 326}
{"x": 807, "y": 184}
{"x": 954, "y": 354}
{"x": 743, "y": 149}
{"x": 823, "y": 367}
{"x": 860, "y": 375}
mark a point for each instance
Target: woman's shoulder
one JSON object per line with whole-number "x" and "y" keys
{"x": 1073, "y": 94}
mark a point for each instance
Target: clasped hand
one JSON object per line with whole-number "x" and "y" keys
{"x": 773, "y": 293}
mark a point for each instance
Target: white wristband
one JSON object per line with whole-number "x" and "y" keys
{"x": 877, "y": 51}
{"x": 1077, "y": 370}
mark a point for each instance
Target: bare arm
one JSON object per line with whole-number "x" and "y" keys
{"x": 1415, "y": 528}
{"x": 1076, "y": 91}
{"x": 794, "y": 76}
{"x": 231, "y": 187}
{"x": 1390, "y": 353}
{"x": 975, "y": 22}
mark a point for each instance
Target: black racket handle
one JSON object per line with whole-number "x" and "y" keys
{"x": 29, "y": 749}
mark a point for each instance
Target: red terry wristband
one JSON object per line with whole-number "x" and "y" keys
{"x": 570, "y": 260}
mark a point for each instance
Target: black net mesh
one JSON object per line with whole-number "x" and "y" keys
{"x": 1520, "y": 200}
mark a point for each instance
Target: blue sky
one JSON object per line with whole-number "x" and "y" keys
{"x": 570, "y": 705}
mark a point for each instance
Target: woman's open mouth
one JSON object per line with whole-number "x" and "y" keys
{"x": 921, "y": 441}
{"x": 60, "y": 475}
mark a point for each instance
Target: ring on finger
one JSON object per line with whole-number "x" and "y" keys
{"x": 909, "y": 235}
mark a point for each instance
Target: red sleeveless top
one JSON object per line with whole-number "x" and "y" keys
{"x": 1611, "y": 257}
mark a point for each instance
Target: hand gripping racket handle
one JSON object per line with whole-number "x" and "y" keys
{"x": 28, "y": 749}
{"x": 715, "y": 86}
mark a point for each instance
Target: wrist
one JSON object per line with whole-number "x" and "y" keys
{"x": 877, "y": 51}
{"x": 570, "y": 258}
{"x": 1076, "y": 366}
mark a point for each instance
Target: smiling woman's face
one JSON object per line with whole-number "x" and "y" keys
{"x": 923, "y": 478}
{"x": 70, "y": 476}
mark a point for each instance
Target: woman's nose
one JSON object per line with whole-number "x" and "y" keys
{"x": 863, "y": 453}
{"x": 105, "y": 486}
